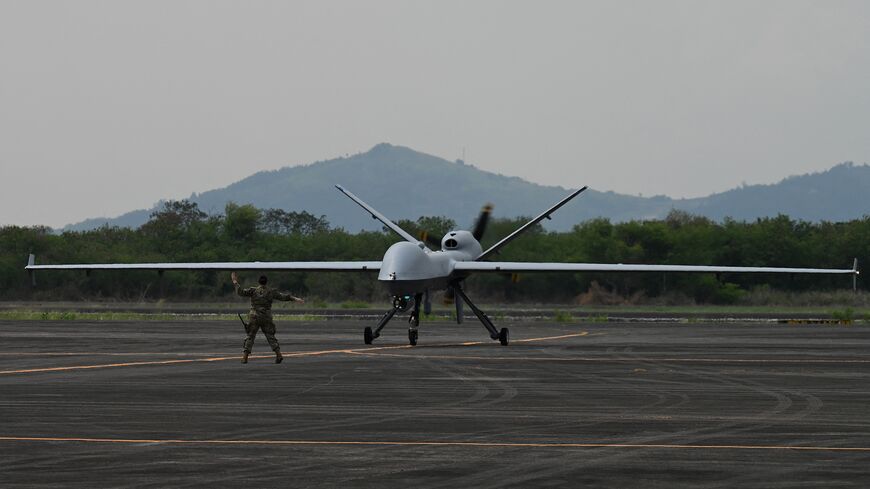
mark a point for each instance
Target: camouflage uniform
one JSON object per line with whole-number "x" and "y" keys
{"x": 260, "y": 316}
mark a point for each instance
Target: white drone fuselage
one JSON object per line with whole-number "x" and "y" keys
{"x": 409, "y": 268}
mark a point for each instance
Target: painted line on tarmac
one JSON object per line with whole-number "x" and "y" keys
{"x": 476, "y": 343}
{"x": 113, "y": 354}
{"x": 191, "y": 360}
{"x": 346, "y": 351}
{"x": 546, "y": 338}
{"x": 442, "y": 444}
{"x": 112, "y": 365}
{"x": 635, "y": 359}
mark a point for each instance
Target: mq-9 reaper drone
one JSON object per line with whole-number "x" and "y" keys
{"x": 410, "y": 269}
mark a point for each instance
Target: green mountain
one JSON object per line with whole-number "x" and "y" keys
{"x": 406, "y": 184}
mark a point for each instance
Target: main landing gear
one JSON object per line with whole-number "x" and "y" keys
{"x": 503, "y": 336}
{"x": 403, "y": 303}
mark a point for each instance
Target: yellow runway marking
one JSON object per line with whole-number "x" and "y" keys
{"x": 110, "y": 365}
{"x": 604, "y": 359}
{"x": 475, "y": 444}
{"x": 573, "y": 335}
{"x": 114, "y": 354}
{"x": 190, "y": 360}
{"x": 348, "y": 351}
{"x": 379, "y": 351}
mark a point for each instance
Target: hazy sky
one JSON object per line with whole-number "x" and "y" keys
{"x": 108, "y": 106}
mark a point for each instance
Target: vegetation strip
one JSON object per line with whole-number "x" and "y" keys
{"x": 559, "y": 316}
{"x": 180, "y": 232}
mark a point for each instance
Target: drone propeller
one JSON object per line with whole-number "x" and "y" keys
{"x": 482, "y": 221}
{"x": 430, "y": 240}
{"x": 479, "y": 229}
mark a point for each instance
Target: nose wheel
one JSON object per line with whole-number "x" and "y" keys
{"x": 400, "y": 304}
{"x": 504, "y": 337}
{"x": 414, "y": 322}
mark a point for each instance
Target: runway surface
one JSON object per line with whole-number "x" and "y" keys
{"x": 149, "y": 404}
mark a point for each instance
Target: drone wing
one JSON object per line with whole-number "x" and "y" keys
{"x": 377, "y": 215}
{"x": 517, "y": 267}
{"x": 288, "y": 266}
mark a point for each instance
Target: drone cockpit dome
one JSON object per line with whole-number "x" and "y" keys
{"x": 460, "y": 241}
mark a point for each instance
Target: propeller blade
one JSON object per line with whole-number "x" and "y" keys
{"x": 482, "y": 220}
{"x": 459, "y": 312}
{"x": 449, "y": 296}
{"x": 430, "y": 240}
{"x": 427, "y": 304}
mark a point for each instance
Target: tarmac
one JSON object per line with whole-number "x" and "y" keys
{"x": 657, "y": 405}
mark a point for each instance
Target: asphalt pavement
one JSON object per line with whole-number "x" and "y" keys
{"x": 156, "y": 404}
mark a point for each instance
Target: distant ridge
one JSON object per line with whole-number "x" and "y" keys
{"x": 406, "y": 184}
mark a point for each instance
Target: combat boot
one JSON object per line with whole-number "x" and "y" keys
{"x": 278, "y": 357}
{"x": 245, "y": 357}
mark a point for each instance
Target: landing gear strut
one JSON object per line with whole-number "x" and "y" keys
{"x": 414, "y": 320}
{"x": 502, "y": 336}
{"x": 400, "y": 304}
{"x": 369, "y": 335}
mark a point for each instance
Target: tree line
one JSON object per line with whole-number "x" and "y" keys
{"x": 181, "y": 232}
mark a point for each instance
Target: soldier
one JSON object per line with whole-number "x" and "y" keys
{"x": 260, "y": 316}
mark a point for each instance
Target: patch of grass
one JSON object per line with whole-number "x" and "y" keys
{"x": 319, "y": 305}
{"x": 601, "y": 318}
{"x": 563, "y": 317}
{"x": 846, "y": 315}
{"x": 24, "y": 315}
{"x": 355, "y": 305}
{"x": 299, "y": 317}
{"x": 58, "y": 316}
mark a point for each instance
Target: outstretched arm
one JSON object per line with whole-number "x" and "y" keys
{"x": 239, "y": 290}
{"x": 287, "y": 296}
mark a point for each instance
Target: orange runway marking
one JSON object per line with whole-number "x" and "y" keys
{"x": 110, "y": 365}
{"x": 173, "y": 441}
{"x": 573, "y": 335}
{"x": 111, "y": 354}
{"x": 604, "y": 359}
{"x": 377, "y": 351}
{"x": 188, "y": 360}
{"x": 236, "y": 357}
{"x": 476, "y": 343}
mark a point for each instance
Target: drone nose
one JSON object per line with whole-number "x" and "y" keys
{"x": 403, "y": 261}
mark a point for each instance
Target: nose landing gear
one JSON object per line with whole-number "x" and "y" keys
{"x": 401, "y": 303}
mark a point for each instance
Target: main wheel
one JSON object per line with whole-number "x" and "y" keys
{"x": 412, "y": 337}
{"x": 504, "y": 336}
{"x": 367, "y": 335}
